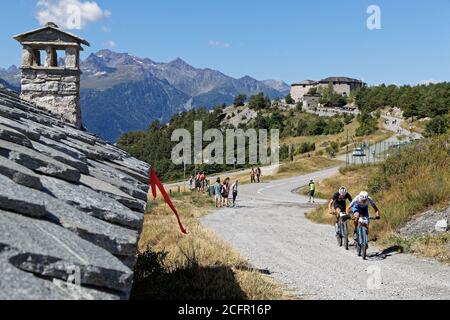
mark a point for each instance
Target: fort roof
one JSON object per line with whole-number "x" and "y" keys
{"x": 305, "y": 83}
{"x": 340, "y": 80}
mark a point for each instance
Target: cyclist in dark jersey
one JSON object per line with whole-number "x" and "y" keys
{"x": 338, "y": 204}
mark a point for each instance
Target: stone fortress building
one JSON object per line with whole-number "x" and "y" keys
{"x": 342, "y": 85}
{"x": 47, "y": 80}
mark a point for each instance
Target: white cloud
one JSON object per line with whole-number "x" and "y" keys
{"x": 70, "y": 14}
{"x": 214, "y": 43}
{"x": 110, "y": 44}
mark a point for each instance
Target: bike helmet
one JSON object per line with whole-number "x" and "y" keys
{"x": 363, "y": 195}
{"x": 343, "y": 191}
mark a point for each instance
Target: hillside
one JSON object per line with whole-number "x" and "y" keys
{"x": 415, "y": 181}
{"x": 6, "y": 85}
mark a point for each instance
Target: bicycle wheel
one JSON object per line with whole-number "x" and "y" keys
{"x": 358, "y": 243}
{"x": 364, "y": 243}
{"x": 345, "y": 234}
{"x": 339, "y": 239}
{"x": 339, "y": 236}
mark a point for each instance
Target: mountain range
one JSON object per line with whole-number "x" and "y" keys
{"x": 122, "y": 93}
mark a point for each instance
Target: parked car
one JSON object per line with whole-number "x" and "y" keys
{"x": 359, "y": 152}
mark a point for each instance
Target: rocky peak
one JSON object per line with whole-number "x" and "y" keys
{"x": 12, "y": 69}
{"x": 180, "y": 64}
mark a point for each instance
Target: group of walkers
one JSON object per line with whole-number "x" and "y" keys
{"x": 223, "y": 190}
{"x": 198, "y": 182}
{"x": 255, "y": 175}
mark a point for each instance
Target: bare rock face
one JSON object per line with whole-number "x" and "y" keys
{"x": 71, "y": 208}
{"x": 429, "y": 222}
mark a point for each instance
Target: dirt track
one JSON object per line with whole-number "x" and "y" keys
{"x": 269, "y": 228}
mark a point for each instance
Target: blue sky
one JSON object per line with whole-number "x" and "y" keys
{"x": 290, "y": 40}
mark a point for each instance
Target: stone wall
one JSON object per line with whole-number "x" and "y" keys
{"x": 311, "y": 102}
{"x": 56, "y": 90}
{"x": 340, "y": 88}
{"x": 299, "y": 91}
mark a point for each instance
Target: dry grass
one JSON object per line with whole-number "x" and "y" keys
{"x": 322, "y": 142}
{"x": 427, "y": 246}
{"x": 197, "y": 266}
{"x": 297, "y": 167}
{"x": 403, "y": 186}
{"x": 303, "y": 165}
{"x": 418, "y": 126}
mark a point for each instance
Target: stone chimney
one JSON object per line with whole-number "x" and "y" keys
{"x": 49, "y": 82}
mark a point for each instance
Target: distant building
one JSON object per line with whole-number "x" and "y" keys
{"x": 299, "y": 90}
{"x": 342, "y": 85}
{"x": 311, "y": 101}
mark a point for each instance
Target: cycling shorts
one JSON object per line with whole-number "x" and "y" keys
{"x": 363, "y": 211}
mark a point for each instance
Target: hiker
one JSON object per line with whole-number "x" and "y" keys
{"x": 197, "y": 182}
{"x": 226, "y": 192}
{"x": 218, "y": 193}
{"x": 258, "y": 174}
{"x": 312, "y": 190}
{"x": 234, "y": 189}
{"x": 252, "y": 176}
{"x": 202, "y": 181}
{"x": 191, "y": 181}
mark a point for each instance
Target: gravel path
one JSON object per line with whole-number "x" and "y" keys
{"x": 269, "y": 228}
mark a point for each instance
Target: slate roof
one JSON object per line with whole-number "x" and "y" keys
{"x": 50, "y": 27}
{"x": 70, "y": 204}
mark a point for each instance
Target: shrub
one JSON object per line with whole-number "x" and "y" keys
{"x": 240, "y": 100}
{"x": 305, "y": 147}
{"x": 437, "y": 125}
{"x": 368, "y": 124}
{"x": 289, "y": 99}
{"x": 348, "y": 118}
{"x": 259, "y": 101}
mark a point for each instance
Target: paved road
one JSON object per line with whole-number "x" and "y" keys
{"x": 269, "y": 228}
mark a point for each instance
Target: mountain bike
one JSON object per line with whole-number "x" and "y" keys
{"x": 363, "y": 236}
{"x": 342, "y": 231}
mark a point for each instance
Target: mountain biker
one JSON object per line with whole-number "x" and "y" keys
{"x": 360, "y": 208}
{"x": 312, "y": 190}
{"x": 338, "y": 203}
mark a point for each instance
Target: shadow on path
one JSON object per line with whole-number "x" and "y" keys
{"x": 382, "y": 255}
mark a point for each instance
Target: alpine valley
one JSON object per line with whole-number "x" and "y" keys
{"x": 123, "y": 93}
